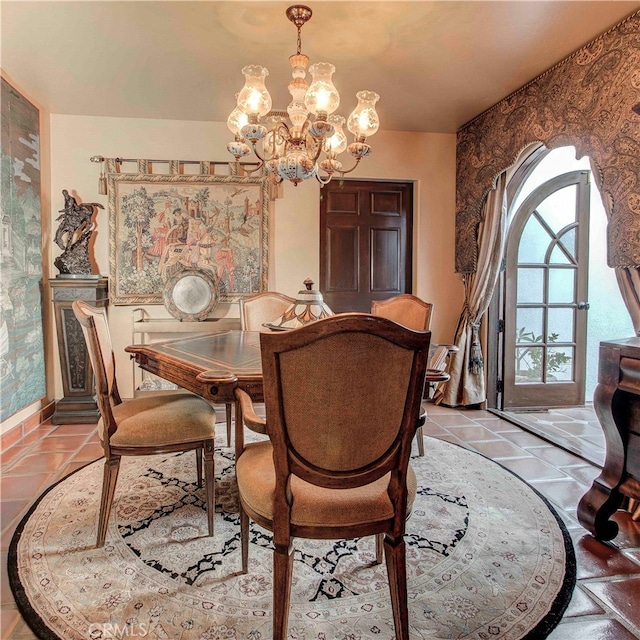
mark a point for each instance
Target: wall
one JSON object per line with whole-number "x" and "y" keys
{"x": 427, "y": 159}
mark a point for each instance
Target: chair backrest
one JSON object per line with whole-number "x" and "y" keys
{"x": 261, "y": 308}
{"x": 405, "y": 309}
{"x": 95, "y": 328}
{"x": 343, "y": 399}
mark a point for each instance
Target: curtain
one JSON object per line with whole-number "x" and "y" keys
{"x": 628, "y": 277}
{"x": 467, "y": 383}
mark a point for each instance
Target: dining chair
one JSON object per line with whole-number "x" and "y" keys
{"x": 336, "y": 462}
{"x": 263, "y": 307}
{"x": 413, "y": 312}
{"x": 406, "y": 309}
{"x": 161, "y": 423}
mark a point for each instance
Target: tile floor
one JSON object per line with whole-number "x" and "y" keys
{"x": 606, "y": 601}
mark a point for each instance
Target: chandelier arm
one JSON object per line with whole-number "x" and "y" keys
{"x": 345, "y": 171}
{"x": 318, "y": 151}
{"x": 324, "y": 179}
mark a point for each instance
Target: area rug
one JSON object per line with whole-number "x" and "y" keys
{"x": 487, "y": 558}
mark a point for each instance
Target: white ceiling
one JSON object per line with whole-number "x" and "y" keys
{"x": 436, "y": 65}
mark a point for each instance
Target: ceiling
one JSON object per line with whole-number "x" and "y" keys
{"x": 436, "y": 65}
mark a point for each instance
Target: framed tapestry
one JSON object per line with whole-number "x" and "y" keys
{"x": 22, "y": 372}
{"x": 162, "y": 224}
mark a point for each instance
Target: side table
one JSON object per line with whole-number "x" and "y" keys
{"x": 78, "y": 404}
{"x": 617, "y": 404}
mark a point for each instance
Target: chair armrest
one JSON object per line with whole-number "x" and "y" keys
{"x": 249, "y": 417}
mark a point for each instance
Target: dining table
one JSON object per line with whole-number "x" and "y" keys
{"x": 212, "y": 365}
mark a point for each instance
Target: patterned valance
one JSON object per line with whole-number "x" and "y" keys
{"x": 588, "y": 101}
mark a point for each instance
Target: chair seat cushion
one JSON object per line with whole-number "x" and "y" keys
{"x": 312, "y": 505}
{"x": 162, "y": 420}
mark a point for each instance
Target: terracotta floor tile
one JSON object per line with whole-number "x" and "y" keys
{"x": 582, "y": 605}
{"x": 17, "y": 487}
{"x": 22, "y": 632}
{"x": 629, "y": 534}
{"x": 9, "y": 455}
{"x": 73, "y": 429}
{"x": 40, "y": 463}
{"x": 453, "y": 439}
{"x": 89, "y": 453}
{"x": 564, "y": 493}
{"x": 10, "y": 510}
{"x": 598, "y": 560}
{"x": 471, "y": 433}
{"x": 432, "y": 429}
{"x": 10, "y": 437}
{"x": 59, "y": 443}
{"x": 448, "y": 420}
{"x": 622, "y": 596}
{"x": 500, "y": 426}
{"x": 585, "y": 474}
{"x": 524, "y": 439}
{"x": 8, "y": 620}
{"x": 556, "y": 456}
{"x": 532, "y": 469}
{"x": 604, "y": 629}
{"x": 498, "y": 449}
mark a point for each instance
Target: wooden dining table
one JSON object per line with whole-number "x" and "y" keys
{"x": 212, "y": 365}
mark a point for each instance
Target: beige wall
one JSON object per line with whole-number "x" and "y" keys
{"x": 426, "y": 159}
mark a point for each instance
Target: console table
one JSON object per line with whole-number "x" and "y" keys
{"x": 617, "y": 404}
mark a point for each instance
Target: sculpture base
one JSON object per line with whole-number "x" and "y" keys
{"x": 76, "y": 411}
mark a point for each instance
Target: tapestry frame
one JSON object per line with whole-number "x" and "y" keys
{"x": 135, "y": 280}
{"x": 22, "y": 361}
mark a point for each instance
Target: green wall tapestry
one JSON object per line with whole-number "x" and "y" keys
{"x": 22, "y": 373}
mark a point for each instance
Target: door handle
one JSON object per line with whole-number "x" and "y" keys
{"x": 583, "y": 306}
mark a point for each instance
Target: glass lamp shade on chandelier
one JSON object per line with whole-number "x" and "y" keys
{"x": 291, "y": 145}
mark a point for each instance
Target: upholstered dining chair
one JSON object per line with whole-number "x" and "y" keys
{"x": 161, "y": 423}
{"x": 415, "y": 313}
{"x": 406, "y": 309}
{"x": 263, "y": 307}
{"x": 336, "y": 464}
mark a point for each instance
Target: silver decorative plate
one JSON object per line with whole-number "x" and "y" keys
{"x": 190, "y": 295}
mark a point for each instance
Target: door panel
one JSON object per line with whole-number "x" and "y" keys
{"x": 546, "y": 292}
{"x": 365, "y": 242}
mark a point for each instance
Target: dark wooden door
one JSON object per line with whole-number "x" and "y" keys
{"x": 365, "y": 242}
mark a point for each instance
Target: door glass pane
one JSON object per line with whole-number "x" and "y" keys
{"x": 528, "y": 364}
{"x": 559, "y": 209}
{"x": 559, "y": 367}
{"x": 533, "y": 242}
{"x": 528, "y": 323}
{"x": 558, "y": 256}
{"x": 530, "y": 285}
{"x": 568, "y": 239}
{"x": 561, "y": 285}
{"x": 560, "y": 325}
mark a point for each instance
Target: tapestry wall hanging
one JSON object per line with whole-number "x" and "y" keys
{"x": 22, "y": 376}
{"x": 162, "y": 224}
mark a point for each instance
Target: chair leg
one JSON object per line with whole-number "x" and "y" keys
{"x": 282, "y": 568}
{"x": 379, "y": 548}
{"x": 244, "y": 539}
{"x": 228, "y": 412}
{"x": 395, "y": 554}
{"x": 199, "y": 465}
{"x": 109, "y": 479}
{"x": 209, "y": 482}
{"x": 420, "y": 438}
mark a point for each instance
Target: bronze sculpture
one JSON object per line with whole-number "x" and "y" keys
{"x": 73, "y": 235}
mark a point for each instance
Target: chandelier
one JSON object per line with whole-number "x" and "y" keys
{"x": 304, "y": 141}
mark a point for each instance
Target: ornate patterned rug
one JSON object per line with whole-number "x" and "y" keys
{"x": 487, "y": 558}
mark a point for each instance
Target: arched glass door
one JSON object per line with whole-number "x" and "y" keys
{"x": 546, "y": 296}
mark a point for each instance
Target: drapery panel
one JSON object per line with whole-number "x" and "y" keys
{"x": 467, "y": 383}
